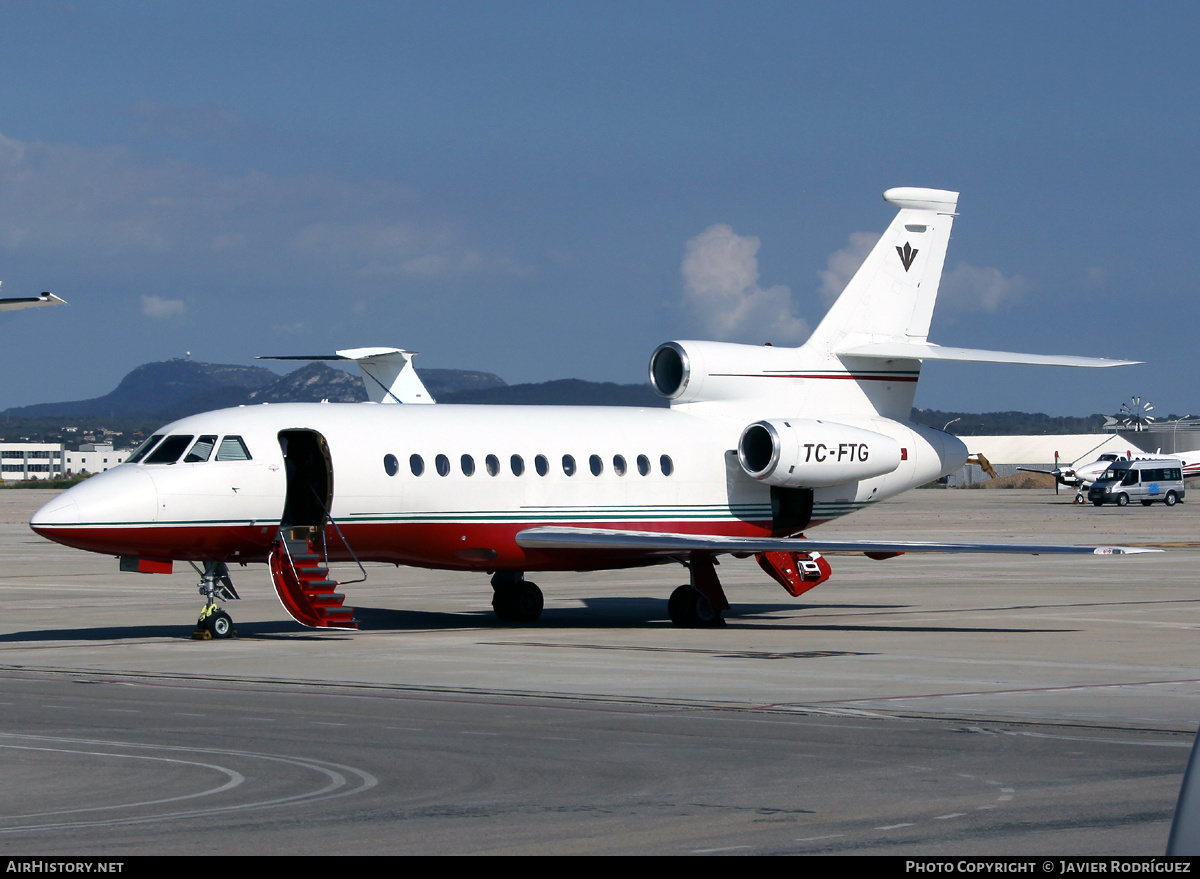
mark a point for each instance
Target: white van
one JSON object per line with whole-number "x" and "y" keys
{"x": 1142, "y": 479}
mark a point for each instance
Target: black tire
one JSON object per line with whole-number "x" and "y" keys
{"x": 1122, "y": 500}
{"x": 677, "y": 607}
{"x": 1171, "y": 499}
{"x": 219, "y": 624}
{"x": 518, "y": 604}
{"x": 528, "y": 602}
{"x": 706, "y": 615}
{"x": 1098, "y": 503}
{"x": 504, "y": 605}
{"x": 689, "y": 609}
{"x": 1147, "y": 503}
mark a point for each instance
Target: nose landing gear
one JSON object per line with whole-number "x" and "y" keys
{"x": 215, "y": 583}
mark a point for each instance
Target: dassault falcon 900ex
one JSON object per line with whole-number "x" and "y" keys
{"x": 759, "y": 445}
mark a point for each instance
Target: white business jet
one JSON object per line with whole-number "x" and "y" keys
{"x": 759, "y": 446}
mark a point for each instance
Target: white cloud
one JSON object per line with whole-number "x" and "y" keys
{"x": 720, "y": 278}
{"x": 971, "y": 288}
{"x": 156, "y": 306}
{"x": 844, "y": 263}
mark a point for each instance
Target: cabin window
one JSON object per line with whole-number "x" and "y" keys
{"x": 492, "y": 463}
{"x": 443, "y": 465}
{"x": 391, "y": 466}
{"x": 619, "y": 465}
{"x": 569, "y": 465}
{"x": 667, "y": 465}
{"x": 643, "y": 465}
{"x": 468, "y": 465}
{"x": 541, "y": 465}
{"x": 170, "y": 450}
{"x": 517, "y": 463}
{"x": 233, "y": 449}
{"x": 416, "y": 464}
{"x": 200, "y": 452}
{"x": 596, "y": 465}
{"x": 146, "y": 446}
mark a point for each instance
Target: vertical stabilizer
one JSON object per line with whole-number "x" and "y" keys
{"x": 389, "y": 375}
{"x": 891, "y": 296}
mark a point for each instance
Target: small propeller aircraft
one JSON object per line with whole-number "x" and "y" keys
{"x": 760, "y": 445}
{"x": 1081, "y": 476}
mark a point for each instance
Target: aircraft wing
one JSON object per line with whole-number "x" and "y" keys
{"x": 651, "y": 542}
{"x": 30, "y": 302}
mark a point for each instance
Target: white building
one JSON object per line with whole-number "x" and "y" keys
{"x": 28, "y": 460}
{"x": 93, "y": 458}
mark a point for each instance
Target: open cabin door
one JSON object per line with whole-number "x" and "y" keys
{"x": 299, "y": 561}
{"x": 309, "y": 471}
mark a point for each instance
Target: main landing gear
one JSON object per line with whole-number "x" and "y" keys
{"x": 215, "y": 583}
{"x": 699, "y": 604}
{"x": 516, "y": 599}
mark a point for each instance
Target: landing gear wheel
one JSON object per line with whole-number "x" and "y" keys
{"x": 219, "y": 624}
{"x": 1079, "y": 498}
{"x": 1171, "y": 499}
{"x": 690, "y": 609}
{"x": 1122, "y": 500}
{"x": 520, "y": 603}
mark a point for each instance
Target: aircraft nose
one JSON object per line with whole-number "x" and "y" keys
{"x": 92, "y": 514}
{"x": 62, "y": 510}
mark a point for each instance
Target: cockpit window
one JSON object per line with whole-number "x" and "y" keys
{"x": 233, "y": 449}
{"x": 201, "y": 451}
{"x": 170, "y": 449}
{"x": 141, "y": 450}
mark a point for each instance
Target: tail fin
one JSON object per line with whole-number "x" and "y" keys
{"x": 891, "y": 296}
{"x": 387, "y": 373}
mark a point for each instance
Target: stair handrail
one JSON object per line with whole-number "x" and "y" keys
{"x": 325, "y": 543}
{"x": 287, "y": 552}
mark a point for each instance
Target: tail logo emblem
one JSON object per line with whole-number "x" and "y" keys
{"x": 907, "y": 255}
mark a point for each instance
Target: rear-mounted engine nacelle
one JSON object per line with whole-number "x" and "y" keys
{"x": 692, "y": 372}
{"x": 803, "y": 453}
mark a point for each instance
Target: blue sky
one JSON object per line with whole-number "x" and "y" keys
{"x": 514, "y": 187}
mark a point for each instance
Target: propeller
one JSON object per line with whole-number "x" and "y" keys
{"x": 1135, "y": 414}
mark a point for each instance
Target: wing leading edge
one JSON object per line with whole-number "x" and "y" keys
{"x": 654, "y": 543}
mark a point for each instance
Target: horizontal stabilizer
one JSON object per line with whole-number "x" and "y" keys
{"x": 554, "y": 537}
{"x": 929, "y": 351}
{"x": 387, "y": 373}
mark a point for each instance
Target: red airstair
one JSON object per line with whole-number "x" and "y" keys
{"x": 300, "y": 572}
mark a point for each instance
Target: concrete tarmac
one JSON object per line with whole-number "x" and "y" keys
{"x": 962, "y": 704}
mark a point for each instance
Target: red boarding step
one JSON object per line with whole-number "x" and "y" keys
{"x": 302, "y": 583}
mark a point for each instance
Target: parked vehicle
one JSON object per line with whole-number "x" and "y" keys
{"x": 1142, "y": 479}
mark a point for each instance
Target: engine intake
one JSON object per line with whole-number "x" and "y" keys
{"x": 803, "y": 453}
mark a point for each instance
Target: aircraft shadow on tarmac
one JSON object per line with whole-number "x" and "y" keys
{"x": 597, "y": 613}
{"x": 650, "y": 613}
